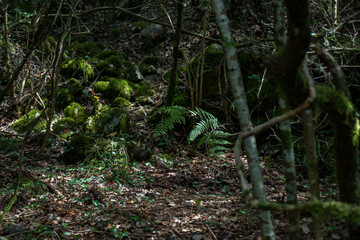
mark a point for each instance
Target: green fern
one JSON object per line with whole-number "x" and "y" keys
{"x": 174, "y": 114}
{"x": 213, "y": 134}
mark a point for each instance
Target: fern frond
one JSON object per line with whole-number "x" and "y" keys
{"x": 218, "y": 149}
{"x": 174, "y": 114}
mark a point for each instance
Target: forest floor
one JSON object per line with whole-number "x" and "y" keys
{"x": 198, "y": 198}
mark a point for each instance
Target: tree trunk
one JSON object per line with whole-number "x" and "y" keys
{"x": 242, "y": 111}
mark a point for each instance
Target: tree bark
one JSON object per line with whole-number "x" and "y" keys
{"x": 242, "y": 111}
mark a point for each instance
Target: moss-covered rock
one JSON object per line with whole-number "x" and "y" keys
{"x": 64, "y": 124}
{"x": 118, "y": 88}
{"x": 139, "y": 26}
{"x": 135, "y": 74}
{"x": 76, "y": 112}
{"x": 108, "y": 120}
{"x": 77, "y": 68}
{"x": 89, "y": 48}
{"x": 101, "y": 86}
{"x": 113, "y": 66}
{"x": 77, "y": 149}
{"x": 25, "y": 121}
{"x": 121, "y": 102}
{"x": 64, "y": 98}
{"x": 75, "y": 87}
{"x": 144, "y": 91}
{"x": 107, "y": 69}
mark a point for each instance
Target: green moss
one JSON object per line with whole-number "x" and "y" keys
{"x": 78, "y": 149}
{"x": 74, "y": 86}
{"x": 25, "y": 121}
{"x": 108, "y": 53}
{"x": 48, "y": 46}
{"x": 118, "y": 61}
{"x": 77, "y": 67}
{"x": 64, "y": 98}
{"x": 108, "y": 120}
{"x": 121, "y": 102}
{"x": 118, "y": 88}
{"x": 92, "y": 48}
{"x": 144, "y": 91}
{"x": 89, "y": 48}
{"x": 336, "y": 104}
{"x": 138, "y": 26}
{"x": 107, "y": 69}
{"x": 147, "y": 69}
{"x": 116, "y": 32}
{"x": 64, "y": 124}
{"x": 101, "y": 86}
{"x": 75, "y": 111}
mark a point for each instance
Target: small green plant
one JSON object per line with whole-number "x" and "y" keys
{"x": 172, "y": 115}
{"x": 213, "y": 134}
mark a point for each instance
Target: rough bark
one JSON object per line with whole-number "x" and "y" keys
{"x": 242, "y": 111}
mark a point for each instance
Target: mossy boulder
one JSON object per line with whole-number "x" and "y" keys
{"x": 75, "y": 87}
{"x": 89, "y": 48}
{"x": 76, "y": 112}
{"x": 118, "y": 88}
{"x": 64, "y": 124}
{"x": 108, "y": 120}
{"x": 139, "y": 26}
{"x": 113, "y": 66}
{"x": 121, "y": 102}
{"x": 64, "y": 97}
{"x": 156, "y": 61}
{"x": 144, "y": 91}
{"x": 135, "y": 74}
{"x": 107, "y": 69}
{"x": 77, "y": 68}
{"x": 25, "y": 121}
{"x": 77, "y": 149}
{"x": 101, "y": 86}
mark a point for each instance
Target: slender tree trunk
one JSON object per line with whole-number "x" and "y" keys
{"x": 173, "y": 77}
{"x": 285, "y": 129}
{"x": 242, "y": 111}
